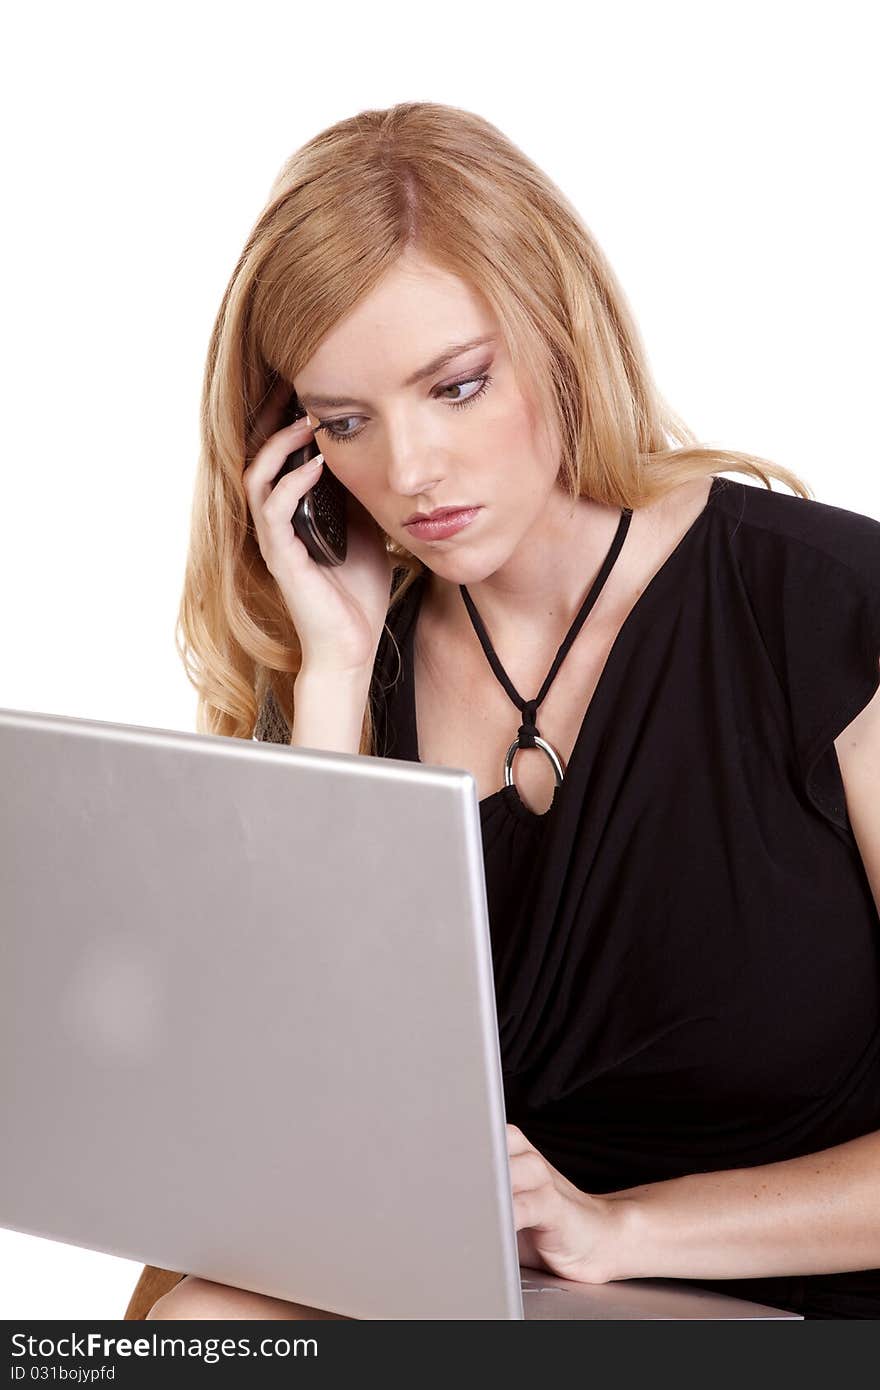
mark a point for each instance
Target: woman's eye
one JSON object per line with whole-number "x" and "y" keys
{"x": 331, "y": 427}
{"x": 457, "y": 385}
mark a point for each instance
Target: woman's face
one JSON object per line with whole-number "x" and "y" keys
{"x": 463, "y": 434}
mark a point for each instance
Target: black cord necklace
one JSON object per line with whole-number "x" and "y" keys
{"x": 527, "y": 735}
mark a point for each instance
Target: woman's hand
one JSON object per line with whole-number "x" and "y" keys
{"x": 338, "y": 611}
{"x": 559, "y": 1228}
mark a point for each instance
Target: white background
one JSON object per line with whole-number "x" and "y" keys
{"x": 724, "y": 157}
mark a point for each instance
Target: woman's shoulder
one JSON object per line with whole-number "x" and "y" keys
{"x": 781, "y": 524}
{"x": 809, "y": 575}
{"x": 810, "y": 572}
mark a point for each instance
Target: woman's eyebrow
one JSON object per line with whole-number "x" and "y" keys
{"x": 312, "y": 398}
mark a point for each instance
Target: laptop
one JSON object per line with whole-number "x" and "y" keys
{"x": 248, "y": 1029}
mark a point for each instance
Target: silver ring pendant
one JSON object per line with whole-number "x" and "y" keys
{"x": 539, "y": 743}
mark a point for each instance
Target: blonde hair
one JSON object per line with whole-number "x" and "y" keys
{"x": 448, "y": 184}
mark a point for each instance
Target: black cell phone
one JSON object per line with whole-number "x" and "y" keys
{"x": 320, "y": 519}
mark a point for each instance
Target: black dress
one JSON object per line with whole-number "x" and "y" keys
{"x": 686, "y": 948}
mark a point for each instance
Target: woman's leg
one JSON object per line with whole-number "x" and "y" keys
{"x": 199, "y": 1298}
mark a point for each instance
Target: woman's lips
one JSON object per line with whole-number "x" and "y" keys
{"x": 444, "y": 526}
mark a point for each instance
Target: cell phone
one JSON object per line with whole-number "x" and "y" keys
{"x": 321, "y": 515}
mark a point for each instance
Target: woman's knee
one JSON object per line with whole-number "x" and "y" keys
{"x": 196, "y": 1298}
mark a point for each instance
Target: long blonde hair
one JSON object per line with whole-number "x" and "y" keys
{"x": 447, "y": 183}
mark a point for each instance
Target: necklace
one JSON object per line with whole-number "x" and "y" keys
{"x": 527, "y": 735}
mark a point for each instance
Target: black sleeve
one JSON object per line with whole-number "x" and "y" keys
{"x": 820, "y": 612}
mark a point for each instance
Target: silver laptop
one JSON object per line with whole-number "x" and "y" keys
{"x": 248, "y": 1030}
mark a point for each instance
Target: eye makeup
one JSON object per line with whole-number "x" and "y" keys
{"x": 482, "y": 377}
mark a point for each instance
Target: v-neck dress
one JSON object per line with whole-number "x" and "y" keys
{"x": 686, "y": 949}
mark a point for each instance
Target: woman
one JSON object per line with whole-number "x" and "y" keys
{"x": 675, "y": 671}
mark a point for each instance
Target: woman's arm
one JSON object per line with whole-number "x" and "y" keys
{"x": 818, "y": 1214}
